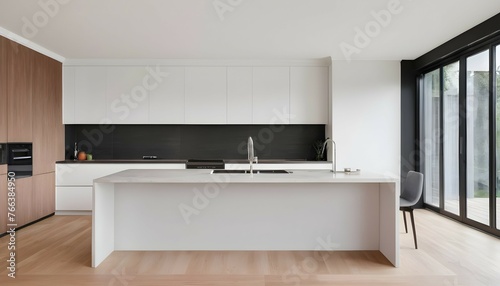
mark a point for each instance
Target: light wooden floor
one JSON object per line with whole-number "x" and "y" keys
{"x": 56, "y": 251}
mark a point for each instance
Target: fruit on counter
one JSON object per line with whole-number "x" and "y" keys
{"x": 82, "y": 155}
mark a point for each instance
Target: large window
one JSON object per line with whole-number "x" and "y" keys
{"x": 497, "y": 80}
{"x": 477, "y": 108}
{"x": 432, "y": 134}
{"x": 451, "y": 137}
{"x": 460, "y": 131}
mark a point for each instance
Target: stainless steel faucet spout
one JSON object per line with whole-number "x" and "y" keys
{"x": 334, "y": 161}
{"x": 251, "y": 154}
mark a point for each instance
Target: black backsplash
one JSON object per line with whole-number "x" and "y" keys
{"x": 293, "y": 142}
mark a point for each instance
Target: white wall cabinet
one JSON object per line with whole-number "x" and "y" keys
{"x": 166, "y": 99}
{"x": 90, "y": 94}
{"x": 211, "y": 94}
{"x": 69, "y": 95}
{"x": 309, "y": 95}
{"x": 205, "y": 95}
{"x": 271, "y": 95}
{"x": 239, "y": 95}
{"x": 127, "y": 95}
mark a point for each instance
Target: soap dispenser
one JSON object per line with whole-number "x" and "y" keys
{"x": 75, "y": 154}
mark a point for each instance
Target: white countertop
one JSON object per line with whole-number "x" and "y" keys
{"x": 205, "y": 176}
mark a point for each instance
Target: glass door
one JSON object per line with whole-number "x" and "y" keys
{"x": 477, "y": 138}
{"x": 497, "y": 81}
{"x": 460, "y": 138}
{"x": 451, "y": 138}
{"x": 432, "y": 134}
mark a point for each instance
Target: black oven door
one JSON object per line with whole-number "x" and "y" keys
{"x": 20, "y": 159}
{"x": 3, "y": 153}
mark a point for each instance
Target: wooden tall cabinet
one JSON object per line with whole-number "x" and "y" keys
{"x": 47, "y": 113}
{"x": 19, "y": 91}
{"x": 3, "y": 90}
{"x": 31, "y": 111}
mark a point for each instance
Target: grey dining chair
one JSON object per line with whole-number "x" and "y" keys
{"x": 410, "y": 195}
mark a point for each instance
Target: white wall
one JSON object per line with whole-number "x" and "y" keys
{"x": 366, "y": 115}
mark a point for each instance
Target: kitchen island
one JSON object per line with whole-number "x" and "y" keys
{"x": 154, "y": 210}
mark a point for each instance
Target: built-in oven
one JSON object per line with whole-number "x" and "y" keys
{"x": 20, "y": 159}
{"x": 3, "y": 153}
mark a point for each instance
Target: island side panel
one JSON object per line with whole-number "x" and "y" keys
{"x": 389, "y": 222}
{"x": 103, "y": 219}
{"x": 247, "y": 216}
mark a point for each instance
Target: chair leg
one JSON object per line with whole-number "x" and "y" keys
{"x": 413, "y": 226}
{"x": 404, "y": 218}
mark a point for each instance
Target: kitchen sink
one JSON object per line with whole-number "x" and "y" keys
{"x": 248, "y": 172}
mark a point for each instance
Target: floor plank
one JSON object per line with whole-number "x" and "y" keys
{"x": 57, "y": 251}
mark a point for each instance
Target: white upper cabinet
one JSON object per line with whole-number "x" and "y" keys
{"x": 69, "y": 95}
{"x": 166, "y": 99}
{"x": 239, "y": 95}
{"x": 309, "y": 95}
{"x": 205, "y": 95}
{"x": 90, "y": 94}
{"x": 271, "y": 95}
{"x": 209, "y": 93}
{"x": 127, "y": 94}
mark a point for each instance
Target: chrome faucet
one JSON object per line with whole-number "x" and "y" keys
{"x": 251, "y": 157}
{"x": 334, "y": 161}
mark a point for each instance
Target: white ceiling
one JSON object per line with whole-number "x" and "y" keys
{"x": 252, "y": 29}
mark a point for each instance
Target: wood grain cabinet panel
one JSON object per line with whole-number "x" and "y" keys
{"x": 44, "y": 195}
{"x": 47, "y": 114}
{"x": 25, "y": 211}
{"x": 3, "y": 199}
{"x": 3, "y": 90}
{"x": 19, "y": 88}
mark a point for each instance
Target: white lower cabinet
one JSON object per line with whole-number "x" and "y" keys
{"x": 73, "y": 198}
{"x": 74, "y": 182}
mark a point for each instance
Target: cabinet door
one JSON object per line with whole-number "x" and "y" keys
{"x": 47, "y": 127}
{"x": 239, "y": 95}
{"x": 271, "y": 95}
{"x": 127, "y": 96}
{"x": 19, "y": 88}
{"x": 69, "y": 95}
{"x": 90, "y": 95}
{"x": 74, "y": 199}
{"x": 166, "y": 99}
{"x": 3, "y": 199}
{"x": 309, "y": 95}
{"x": 25, "y": 211}
{"x": 44, "y": 194}
{"x": 3, "y": 89}
{"x": 206, "y": 95}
